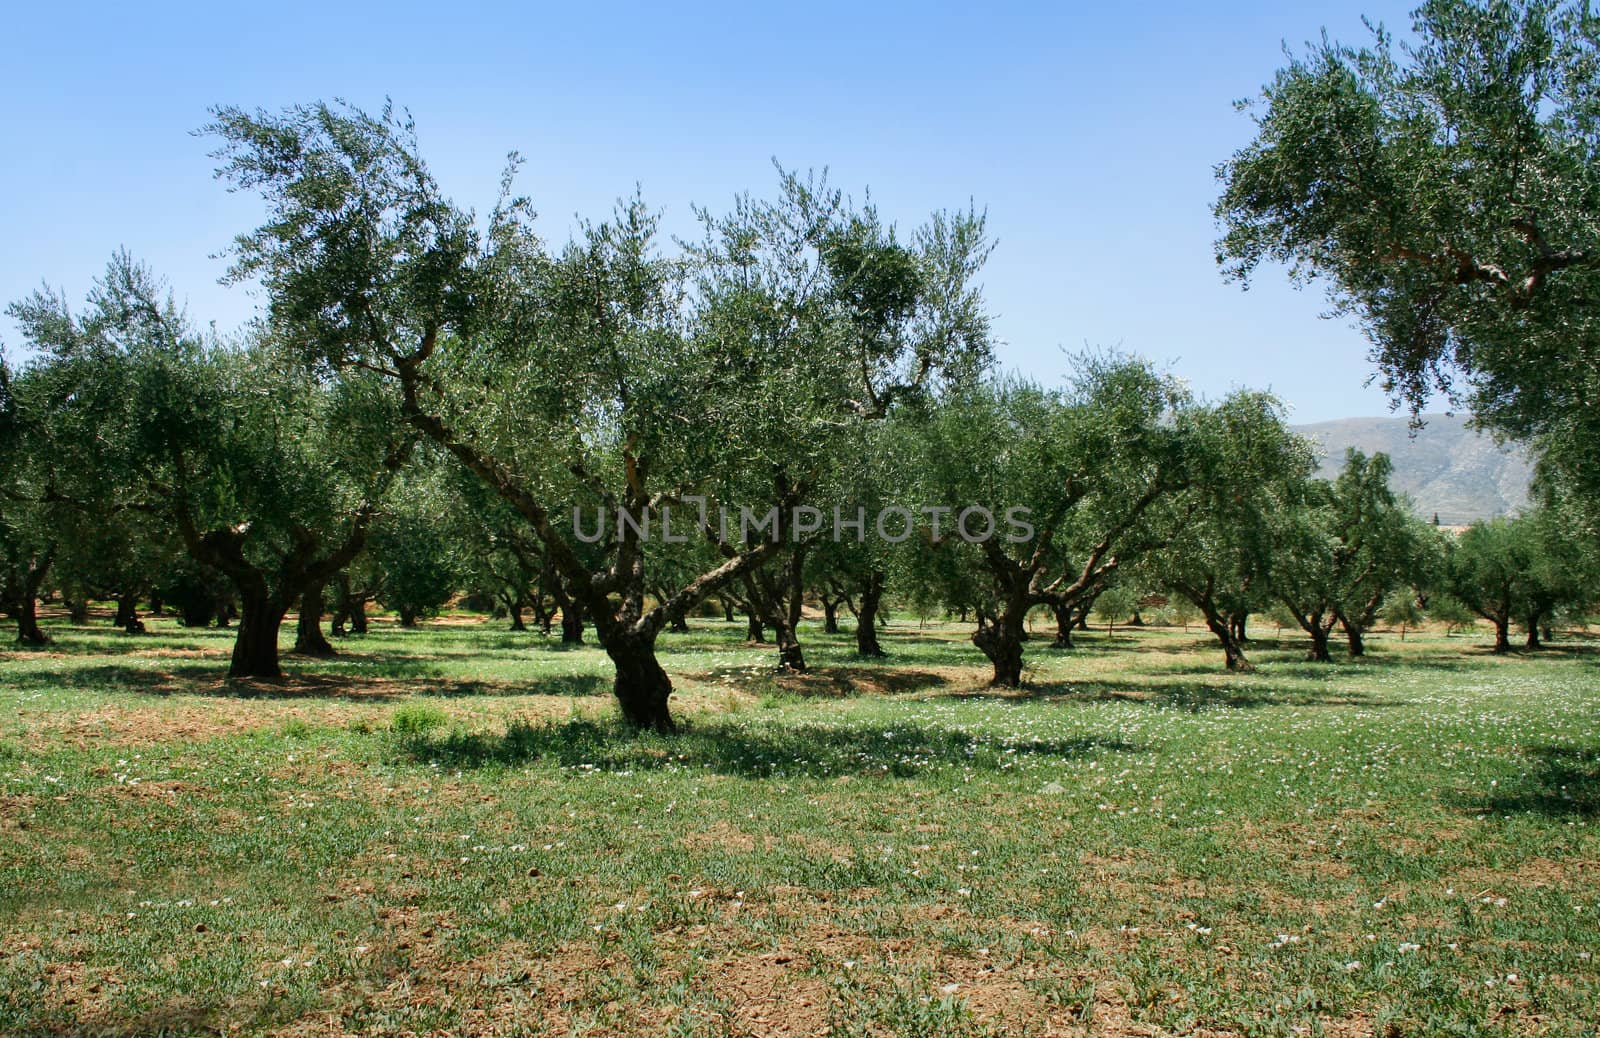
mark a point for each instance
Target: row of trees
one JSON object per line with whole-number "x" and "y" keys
{"x": 153, "y": 462}
{"x": 430, "y": 392}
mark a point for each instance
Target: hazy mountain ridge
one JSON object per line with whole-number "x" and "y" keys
{"x": 1446, "y": 468}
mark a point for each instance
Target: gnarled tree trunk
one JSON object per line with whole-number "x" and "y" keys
{"x": 308, "y": 638}
{"x": 1232, "y": 652}
{"x": 25, "y": 612}
{"x": 641, "y": 686}
{"x": 1001, "y": 642}
{"x": 1355, "y": 638}
{"x": 127, "y": 616}
{"x": 871, "y": 598}
{"x": 1064, "y": 620}
{"x": 255, "y": 648}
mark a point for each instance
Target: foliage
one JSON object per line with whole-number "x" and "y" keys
{"x": 1445, "y": 192}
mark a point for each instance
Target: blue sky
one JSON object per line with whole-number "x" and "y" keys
{"x": 1089, "y": 133}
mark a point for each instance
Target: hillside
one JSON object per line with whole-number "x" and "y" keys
{"x": 1446, "y": 468}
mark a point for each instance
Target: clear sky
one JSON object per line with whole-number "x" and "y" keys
{"x": 1089, "y": 132}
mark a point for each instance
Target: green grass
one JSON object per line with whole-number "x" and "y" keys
{"x": 444, "y": 830}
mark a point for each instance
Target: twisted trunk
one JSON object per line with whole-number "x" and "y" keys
{"x": 255, "y": 648}
{"x": 127, "y": 616}
{"x": 1355, "y": 634}
{"x": 1232, "y": 651}
{"x": 867, "y": 616}
{"x": 641, "y": 686}
{"x": 1001, "y": 642}
{"x": 25, "y": 612}
{"x": 1064, "y": 621}
{"x": 308, "y": 638}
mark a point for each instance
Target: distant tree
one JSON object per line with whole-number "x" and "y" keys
{"x": 1444, "y": 189}
{"x": 266, "y": 474}
{"x": 1116, "y": 602}
{"x": 1247, "y": 468}
{"x": 1346, "y": 546}
{"x": 1088, "y": 466}
{"x": 414, "y": 553}
{"x": 1484, "y": 570}
{"x": 1522, "y": 569}
{"x": 1400, "y": 609}
{"x": 1447, "y": 609}
{"x": 29, "y": 533}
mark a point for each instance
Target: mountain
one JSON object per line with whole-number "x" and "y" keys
{"x": 1446, "y": 468}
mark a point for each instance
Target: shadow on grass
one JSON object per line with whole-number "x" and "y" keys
{"x": 1191, "y": 696}
{"x": 831, "y": 681}
{"x": 207, "y": 680}
{"x": 747, "y": 751}
{"x": 1563, "y": 782}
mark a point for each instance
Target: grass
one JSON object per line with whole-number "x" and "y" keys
{"x": 445, "y": 831}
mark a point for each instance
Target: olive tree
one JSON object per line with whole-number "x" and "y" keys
{"x": 29, "y": 534}
{"x": 267, "y": 474}
{"x": 606, "y": 374}
{"x": 1445, "y": 191}
{"x": 1022, "y": 477}
{"x": 1245, "y": 468}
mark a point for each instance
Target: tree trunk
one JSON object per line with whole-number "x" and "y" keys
{"x": 1238, "y": 623}
{"x": 867, "y": 616}
{"x": 127, "y": 616}
{"x": 572, "y": 623}
{"x": 27, "y": 617}
{"x": 727, "y": 611}
{"x": 1319, "y": 643}
{"x": 1355, "y": 638}
{"x": 156, "y": 604}
{"x": 1001, "y": 641}
{"x": 641, "y": 686}
{"x": 255, "y": 648}
{"x": 1232, "y": 651}
{"x": 1502, "y": 634}
{"x": 830, "y": 616}
{"x": 1532, "y": 641}
{"x": 1063, "y": 615}
{"x": 754, "y": 630}
{"x": 308, "y": 639}
{"x": 791, "y": 655}
{"x": 514, "y": 610}
{"x": 224, "y": 612}
{"x": 408, "y": 617}
{"x": 77, "y": 610}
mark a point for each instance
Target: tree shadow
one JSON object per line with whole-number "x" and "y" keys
{"x": 1564, "y": 781}
{"x": 120, "y": 676}
{"x": 746, "y": 751}
{"x": 207, "y": 681}
{"x": 833, "y": 682}
{"x": 1190, "y": 696}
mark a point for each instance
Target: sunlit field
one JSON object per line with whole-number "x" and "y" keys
{"x": 444, "y": 831}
